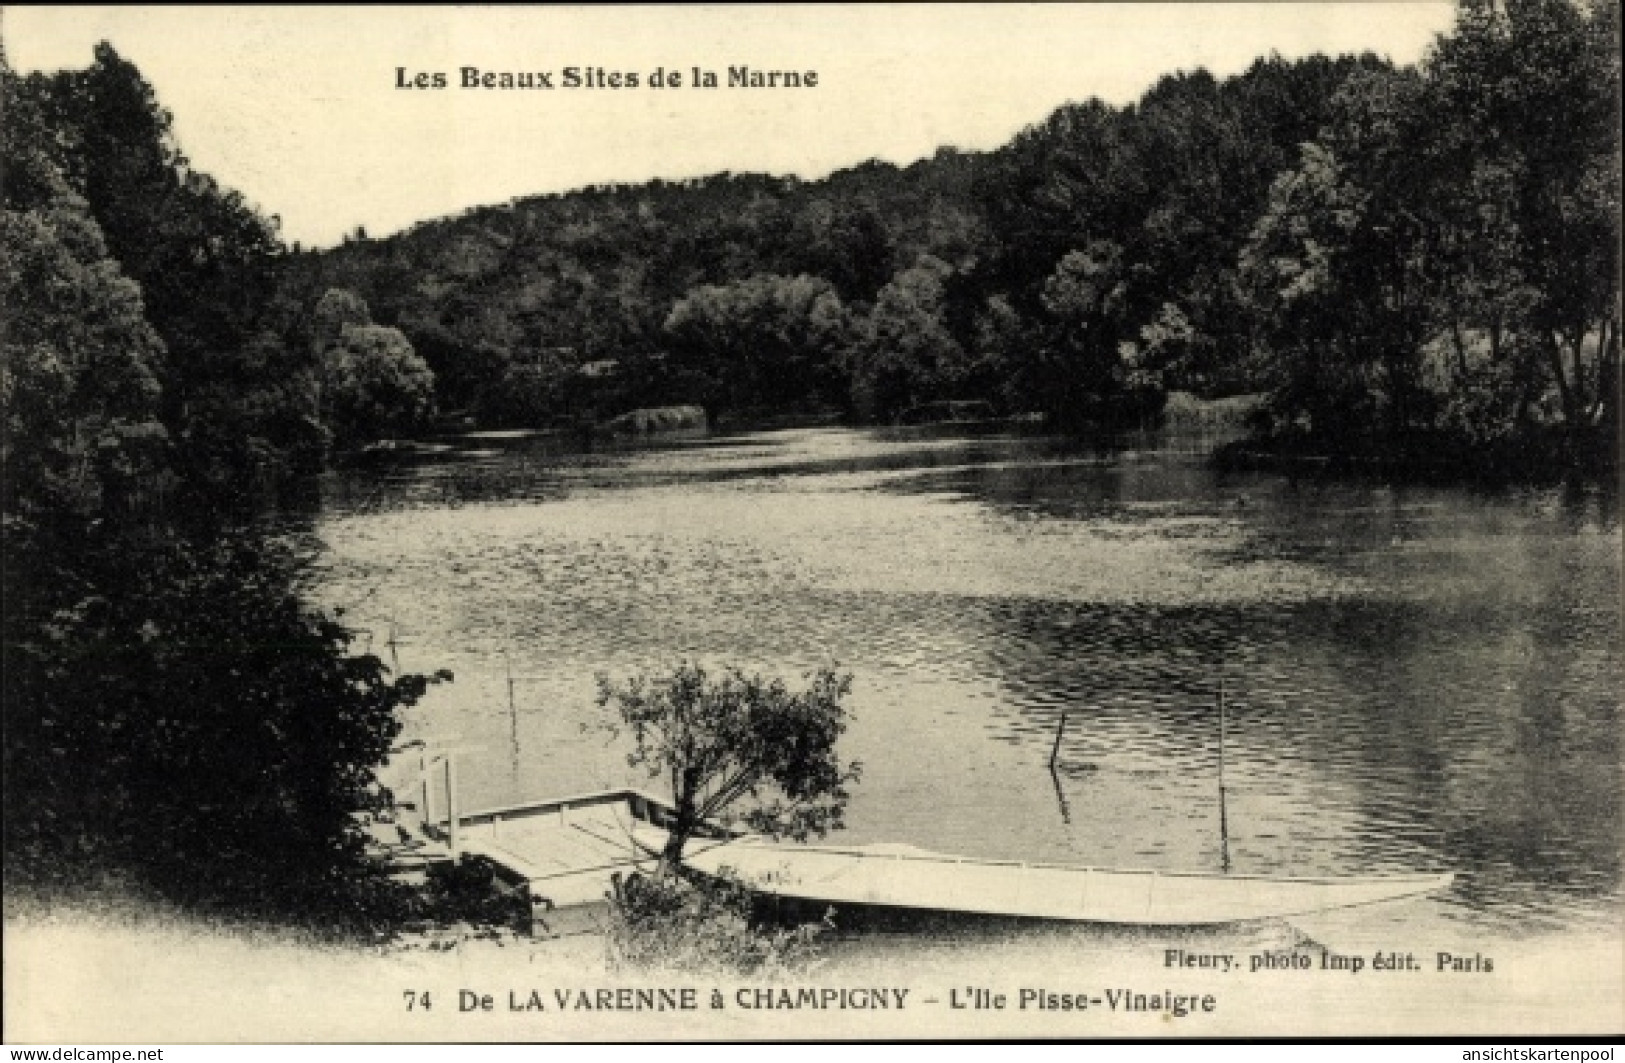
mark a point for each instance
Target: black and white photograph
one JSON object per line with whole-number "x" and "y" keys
{"x": 691, "y": 523}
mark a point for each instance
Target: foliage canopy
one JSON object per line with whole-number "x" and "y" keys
{"x": 717, "y": 740}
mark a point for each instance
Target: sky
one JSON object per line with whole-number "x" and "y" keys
{"x": 298, "y": 108}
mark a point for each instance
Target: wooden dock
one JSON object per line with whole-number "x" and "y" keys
{"x": 560, "y": 854}
{"x": 564, "y": 850}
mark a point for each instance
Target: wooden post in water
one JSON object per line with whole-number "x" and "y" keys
{"x": 452, "y": 809}
{"x": 1224, "y": 819}
{"x": 425, "y": 790}
{"x": 1055, "y": 751}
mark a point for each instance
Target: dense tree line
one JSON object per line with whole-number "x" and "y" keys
{"x": 1439, "y": 271}
{"x": 1402, "y": 259}
{"x": 175, "y": 716}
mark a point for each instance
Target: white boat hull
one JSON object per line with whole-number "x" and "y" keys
{"x": 909, "y": 878}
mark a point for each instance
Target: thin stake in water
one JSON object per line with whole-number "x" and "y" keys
{"x": 513, "y": 711}
{"x": 1224, "y": 820}
{"x": 1055, "y": 776}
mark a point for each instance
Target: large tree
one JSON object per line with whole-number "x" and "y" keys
{"x": 1444, "y": 259}
{"x": 730, "y": 738}
{"x": 1335, "y": 268}
{"x": 374, "y": 384}
{"x": 79, "y": 366}
{"x": 238, "y": 381}
{"x": 1525, "y": 104}
{"x": 904, "y": 351}
{"x": 765, "y": 341}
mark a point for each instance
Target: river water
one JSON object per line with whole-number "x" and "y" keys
{"x": 1416, "y": 679}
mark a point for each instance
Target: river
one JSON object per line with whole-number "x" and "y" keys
{"x": 1416, "y": 679}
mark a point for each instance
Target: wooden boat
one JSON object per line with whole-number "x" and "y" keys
{"x": 898, "y": 876}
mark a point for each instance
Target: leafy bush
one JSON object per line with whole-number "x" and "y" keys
{"x": 177, "y": 715}
{"x": 466, "y": 894}
{"x": 701, "y": 925}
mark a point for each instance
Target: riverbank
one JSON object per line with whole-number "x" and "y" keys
{"x": 76, "y": 975}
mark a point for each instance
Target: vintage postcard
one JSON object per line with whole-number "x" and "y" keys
{"x": 1067, "y": 521}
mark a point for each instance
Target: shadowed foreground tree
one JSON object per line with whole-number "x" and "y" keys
{"x": 719, "y": 740}
{"x": 238, "y": 393}
{"x": 180, "y": 718}
{"x": 177, "y": 722}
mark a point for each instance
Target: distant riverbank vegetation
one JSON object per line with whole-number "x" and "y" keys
{"x": 1402, "y": 266}
{"x": 1411, "y": 264}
